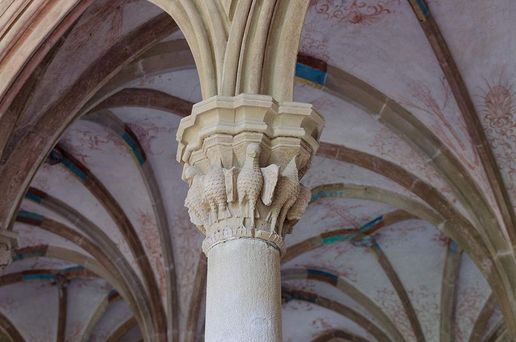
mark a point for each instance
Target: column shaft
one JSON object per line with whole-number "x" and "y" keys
{"x": 243, "y": 292}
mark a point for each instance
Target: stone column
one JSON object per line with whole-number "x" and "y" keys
{"x": 244, "y": 157}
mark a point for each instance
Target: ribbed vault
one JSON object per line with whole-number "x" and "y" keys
{"x": 410, "y": 231}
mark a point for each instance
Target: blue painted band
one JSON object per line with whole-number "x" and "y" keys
{"x": 336, "y": 238}
{"x": 74, "y": 169}
{"x": 30, "y": 215}
{"x": 21, "y": 256}
{"x": 423, "y": 7}
{"x": 324, "y": 194}
{"x": 310, "y": 74}
{"x": 371, "y": 223}
{"x": 134, "y": 147}
{"x": 33, "y": 197}
{"x": 43, "y": 276}
{"x": 453, "y": 247}
{"x": 323, "y": 274}
{"x": 76, "y": 268}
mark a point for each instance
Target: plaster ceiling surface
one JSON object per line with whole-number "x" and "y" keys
{"x": 181, "y": 83}
{"x": 473, "y": 292}
{"x": 132, "y": 335}
{"x": 95, "y": 32}
{"x": 32, "y": 236}
{"x": 339, "y": 213}
{"x": 342, "y": 172}
{"x": 494, "y": 322}
{"x": 315, "y": 319}
{"x": 423, "y": 283}
{"x": 105, "y": 148}
{"x": 25, "y": 262}
{"x": 19, "y": 302}
{"x": 384, "y": 46}
{"x": 348, "y": 125}
{"x": 116, "y": 313}
{"x": 345, "y": 124}
{"x": 358, "y": 267}
{"x": 85, "y": 296}
{"x": 487, "y": 68}
{"x": 105, "y": 212}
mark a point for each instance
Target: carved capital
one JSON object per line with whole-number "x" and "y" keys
{"x": 244, "y": 157}
{"x": 7, "y": 244}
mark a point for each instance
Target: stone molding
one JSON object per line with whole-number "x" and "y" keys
{"x": 244, "y": 157}
{"x": 8, "y": 241}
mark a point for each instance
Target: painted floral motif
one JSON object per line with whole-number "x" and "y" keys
{"x": 345, "y": 213}
{"x": 389, "y": 301}
{"x": 389, "y": 146}
{"x": 454, "y": 133}
{"x": 300, "y": 305}
{"x": 8, "y": 304}
{"x": 78, "y": 140}
{"x": 187, "y": 247}
{"x": 498, "y": 111}
{"x": 353, "y": 11}
{"x": 469, "y": 302}
{"x": 320, "y": 324}
{"x": 26, "y": 236}
{"x": 314, "y": 44}
{"x": 441, "y": 239}
{"x": 147, "y": 133}
{"x": 150, "y": 237}
{"x": 75, "y": 331}
{"x": 101, "y": 13}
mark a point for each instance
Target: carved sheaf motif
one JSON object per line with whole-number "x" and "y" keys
{"x": 222, "y": 193}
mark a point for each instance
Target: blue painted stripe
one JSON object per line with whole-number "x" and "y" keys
{"x": 134, "y": 147}
{"x": 56, "y": 156}
{"x": 423, "y": 7}
{"x": 336, "y": 238}
{"x": 324, "y": 194}
{"x": 311, "y": 74}
{"x": 30, "y": 215}
{"x": 21, "y": 256}
{"x": 74, "y": 169}
{"x": 454, "y": 248}
{"x": 33, "y": 197}
{"x": 324, "y": 274}
{"x": 43, "y": 276}
{"x": 77, "y": 268}
{"x": 371, "y": 223}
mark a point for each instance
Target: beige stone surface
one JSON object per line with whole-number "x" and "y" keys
{"x": 244, "y": 158}
{"x": 243, "y": 292}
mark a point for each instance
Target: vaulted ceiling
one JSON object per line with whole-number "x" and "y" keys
{"x": 413, "y": 187}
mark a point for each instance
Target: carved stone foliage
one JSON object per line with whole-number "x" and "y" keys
{"x": 244, "y": 157}
{"x": 248, "y": 201}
